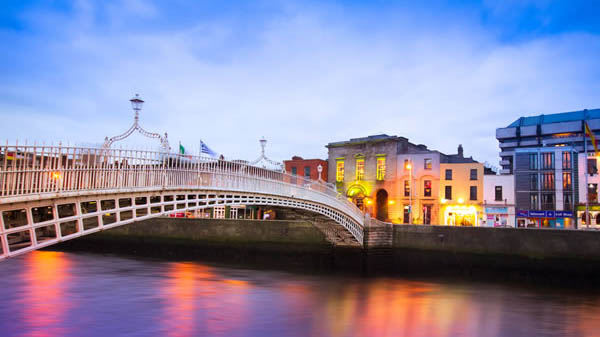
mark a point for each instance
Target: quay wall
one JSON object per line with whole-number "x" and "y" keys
{"x": 288, "y": 243}
{"x": 402, "y": 249}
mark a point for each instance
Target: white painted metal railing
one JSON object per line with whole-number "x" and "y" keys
{"x": 36, "y": 172}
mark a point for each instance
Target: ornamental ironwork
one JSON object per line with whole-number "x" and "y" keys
{"x": 136, "y": 104}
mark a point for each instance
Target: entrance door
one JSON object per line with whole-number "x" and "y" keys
{"x": 382, "y": 205}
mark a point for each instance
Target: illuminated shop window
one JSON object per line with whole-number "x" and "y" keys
{"x": 360, "y": 169}
{"x": 380, "y": 168}
{"x": 339, "y": 171}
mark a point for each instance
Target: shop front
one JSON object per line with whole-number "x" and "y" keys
{"x": 499, "y": 216}
{"x": 544, "y": 219}
{"x": 461, "y": 215}
{"x": 594, "y": 216}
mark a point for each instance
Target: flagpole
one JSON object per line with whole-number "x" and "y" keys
{"x": 587, "y": 167}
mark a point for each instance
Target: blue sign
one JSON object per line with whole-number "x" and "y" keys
{"x": 564, "y": 214}
{"x": 523, "y": 213}
{"x": 545, "y": 214}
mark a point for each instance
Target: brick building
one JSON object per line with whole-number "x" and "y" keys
{"x": 307, "y": 168}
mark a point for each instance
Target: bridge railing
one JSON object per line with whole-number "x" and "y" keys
{"x": 39, "y": 169}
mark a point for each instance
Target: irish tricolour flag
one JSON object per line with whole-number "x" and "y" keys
{"x": 590, "y": 134}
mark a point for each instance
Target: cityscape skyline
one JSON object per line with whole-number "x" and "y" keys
{"x": 301, "y": 76}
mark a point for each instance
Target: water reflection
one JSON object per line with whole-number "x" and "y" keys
{"x": 62, "y": 294}
{"x": 45, "y": 277}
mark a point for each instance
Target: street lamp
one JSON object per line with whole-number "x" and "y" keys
{"x": 320, "y": 170}
{"x": 409, "y": 168}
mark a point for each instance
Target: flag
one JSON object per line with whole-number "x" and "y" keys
{"x": 206, "y": 150}
{"x": 590, "y": 134}
{"x": 181, "y": 149}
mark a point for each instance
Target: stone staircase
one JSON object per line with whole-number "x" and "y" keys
{"x": 334, "y": 232}
{"x": 378, "y": 245}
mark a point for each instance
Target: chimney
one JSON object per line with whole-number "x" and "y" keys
{"x": 460, "y": 150}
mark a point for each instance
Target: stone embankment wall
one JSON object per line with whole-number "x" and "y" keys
{"x": 294, "y": 243}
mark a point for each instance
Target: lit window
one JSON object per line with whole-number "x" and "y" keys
{"x": 380, "y": 168}
{"x": 406, "y": 188}
{"x": 567, "y": 184}
{"x": 360, "y": 169}
{"x": 547, "y": 161}
{"x": 566, "y": 161}
{"x": 427, "y": 188}
{"x": 427, "y": 164}
{"x": 339, "y": 172}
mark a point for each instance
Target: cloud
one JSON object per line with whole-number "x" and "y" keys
{"x": 300, "y": 76}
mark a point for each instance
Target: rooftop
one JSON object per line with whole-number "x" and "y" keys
{"x": 368, "y": 139}
{"x": 557, "y": 118}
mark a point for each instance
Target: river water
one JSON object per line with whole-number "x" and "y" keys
{"x": 48, "y": 293}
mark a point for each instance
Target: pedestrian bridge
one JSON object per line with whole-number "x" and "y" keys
{"x": 50, "y": 194}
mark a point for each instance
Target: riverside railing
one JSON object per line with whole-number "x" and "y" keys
{"x": 45, "y": 169}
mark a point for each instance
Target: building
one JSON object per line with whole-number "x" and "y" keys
{"x": 546, "y": 155}
{"x": 498, "y": 200}
{"x": 398, "y": 181}
{"x": 364, "y": 170}
{"x": 308, "y": 168}
{"x": 461, "y": 190}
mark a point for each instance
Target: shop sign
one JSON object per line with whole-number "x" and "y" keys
{"x": 537, "y": 214}
{"x": 497, "y": 210}
{"x": 564, "y": 214}
{"x": 545, "y": 214}
{"x": 523, "y": 213}
{"x": 591, "y": 208}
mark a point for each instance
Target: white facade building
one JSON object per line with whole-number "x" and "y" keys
{"x": 499, "y": 200}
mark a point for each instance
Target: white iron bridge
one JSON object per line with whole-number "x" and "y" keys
{"x": 50, "y": 194}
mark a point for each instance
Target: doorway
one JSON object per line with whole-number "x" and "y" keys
{"x": 382, "y": 205}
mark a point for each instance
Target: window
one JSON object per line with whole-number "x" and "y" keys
{"x": 380, "y": 168}
{"x": 406, "y": 188}
{"x": 448, "y": 174}
{"x": 473, "y": 193}
{"x": 427, "y": 188}
{"x": 533, "y": 161}
{"x": 427, "y": 164}
{"x": 339, "y": 171}
{"x": 568, "y": 202}
{"x": 547, "y": 161}
{"x": 294, "y": 170}
{"x": 548, "y": 201}
{"x": 593, "y": 193}
{"x": 547, "y": 181}
{"x": 567, "y": 183}
{"x": 307, "y": 172}
{"x": 592, "y": 166}
{"x": 498, "y": 195}
{"x": 360, "y": 169}
{"x": 448, "y": 193}
{"x": 533, "y": 201}
{"x": 533, "y": 181}
{"x": 566, "y": 161}
{"x": 473, "y": 174}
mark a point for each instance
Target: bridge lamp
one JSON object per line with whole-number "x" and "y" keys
{"x": 136, "y": 103}
{"x": 320, "y": 170}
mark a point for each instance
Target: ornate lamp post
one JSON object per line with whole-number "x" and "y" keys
{"x": 266, "y": 162}
{"x": 409, "y": 167}
{"x": 320, "y": 170}
{"x": 136, "y": 105}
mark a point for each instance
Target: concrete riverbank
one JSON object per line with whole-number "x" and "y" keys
{"x": 513, "y": 253}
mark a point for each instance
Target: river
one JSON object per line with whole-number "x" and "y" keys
{"x": 47, "y": 293}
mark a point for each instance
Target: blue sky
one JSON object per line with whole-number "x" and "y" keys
{"x": 300, "y": 73}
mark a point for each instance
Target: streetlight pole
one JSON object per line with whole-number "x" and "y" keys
{"x": 409, "y": 167}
